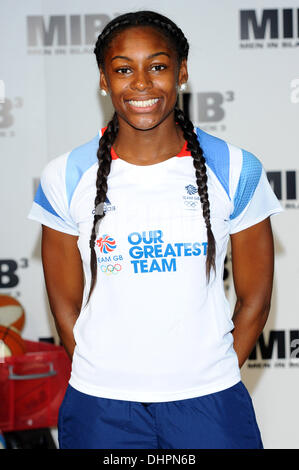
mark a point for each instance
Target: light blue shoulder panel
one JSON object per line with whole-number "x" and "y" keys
{"x": 79, "y": 161}
{"x": 249, "y": 178}
{"x": 216, "y": 153}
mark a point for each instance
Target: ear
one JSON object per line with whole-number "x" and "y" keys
{"x": 103, "y": 82}
{"x": 183, "y": 72}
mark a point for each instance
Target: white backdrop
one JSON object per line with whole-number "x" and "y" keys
{"x": 243, "y": 87}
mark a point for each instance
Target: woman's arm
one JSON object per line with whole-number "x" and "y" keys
{"x": 64, "y": 281}
{"x": 253, "y": 267}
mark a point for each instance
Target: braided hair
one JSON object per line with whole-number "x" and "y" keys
{"x": 177, "y": 39}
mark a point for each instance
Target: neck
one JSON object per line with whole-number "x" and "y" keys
{"x": 147, "y": 147}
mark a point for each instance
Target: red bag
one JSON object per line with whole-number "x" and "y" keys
{"x": 32, "y": 386}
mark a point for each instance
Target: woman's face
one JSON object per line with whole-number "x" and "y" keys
{"x": 141, "y": 75}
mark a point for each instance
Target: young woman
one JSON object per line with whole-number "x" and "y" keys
{"x": 135, "y": 226}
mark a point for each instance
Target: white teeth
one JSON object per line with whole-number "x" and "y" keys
{"x": 143, "y": 104}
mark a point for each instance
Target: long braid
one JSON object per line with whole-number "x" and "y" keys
{"x": 201, "y": 180}
{"x": 104, "y": 159}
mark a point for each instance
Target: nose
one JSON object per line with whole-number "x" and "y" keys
{"x": 141, "y": 81}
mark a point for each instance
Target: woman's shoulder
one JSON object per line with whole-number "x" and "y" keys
{"x": 231, "y": 164}
{"x": 220, "y": 152}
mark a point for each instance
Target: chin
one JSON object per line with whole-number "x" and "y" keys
{"x": 144, "y": 125}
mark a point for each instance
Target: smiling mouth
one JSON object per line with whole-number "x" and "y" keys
{"x": 143, "y": 103}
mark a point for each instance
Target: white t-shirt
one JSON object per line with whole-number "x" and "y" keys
{"x": 154, "y": 330}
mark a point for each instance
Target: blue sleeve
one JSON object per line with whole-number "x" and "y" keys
{"x": 50, "y": 206}
{"x": 254, "y": 200}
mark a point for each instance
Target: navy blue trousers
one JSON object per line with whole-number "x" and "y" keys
{"x": 221, "y": 420}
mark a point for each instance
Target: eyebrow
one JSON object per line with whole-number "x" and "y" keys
{"x": 149, "y": 57}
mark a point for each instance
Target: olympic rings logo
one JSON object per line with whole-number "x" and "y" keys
{"x": 191, "y": 203}
{"x": 110, "y": 269}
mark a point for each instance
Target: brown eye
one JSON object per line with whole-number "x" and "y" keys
{"x": 123, "y": 70}
{"x": 158, "y": 67}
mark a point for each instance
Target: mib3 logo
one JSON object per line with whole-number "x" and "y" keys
{"x": 207, "y": 109}
{"x": 63, "y": 34}
{"x": 271, "y": 28}
{"x": 10, "y": 275}
{"x": 8, "y": 109}
{"x": 275, "y": 348}
{"x": 284, "y": 184}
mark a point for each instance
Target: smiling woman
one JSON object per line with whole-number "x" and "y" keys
{"x": 143, "y": 85}
{"x": 136, "y": 225}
